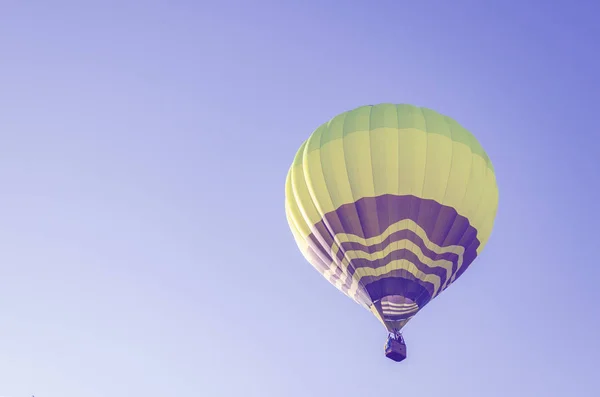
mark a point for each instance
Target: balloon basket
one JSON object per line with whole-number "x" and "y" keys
{"x": 395, "y": 349}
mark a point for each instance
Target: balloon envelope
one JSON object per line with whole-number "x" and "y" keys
{"x": 391, "y": 204}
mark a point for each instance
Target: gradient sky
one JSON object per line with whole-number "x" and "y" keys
{"x": 144, "y": 146}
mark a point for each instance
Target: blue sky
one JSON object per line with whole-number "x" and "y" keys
{"x": 144, "y": 146}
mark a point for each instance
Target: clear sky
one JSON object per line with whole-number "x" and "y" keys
{"x": 144, "y": 146}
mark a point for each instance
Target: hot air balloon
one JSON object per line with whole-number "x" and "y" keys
{"x": 391, "y": 204}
